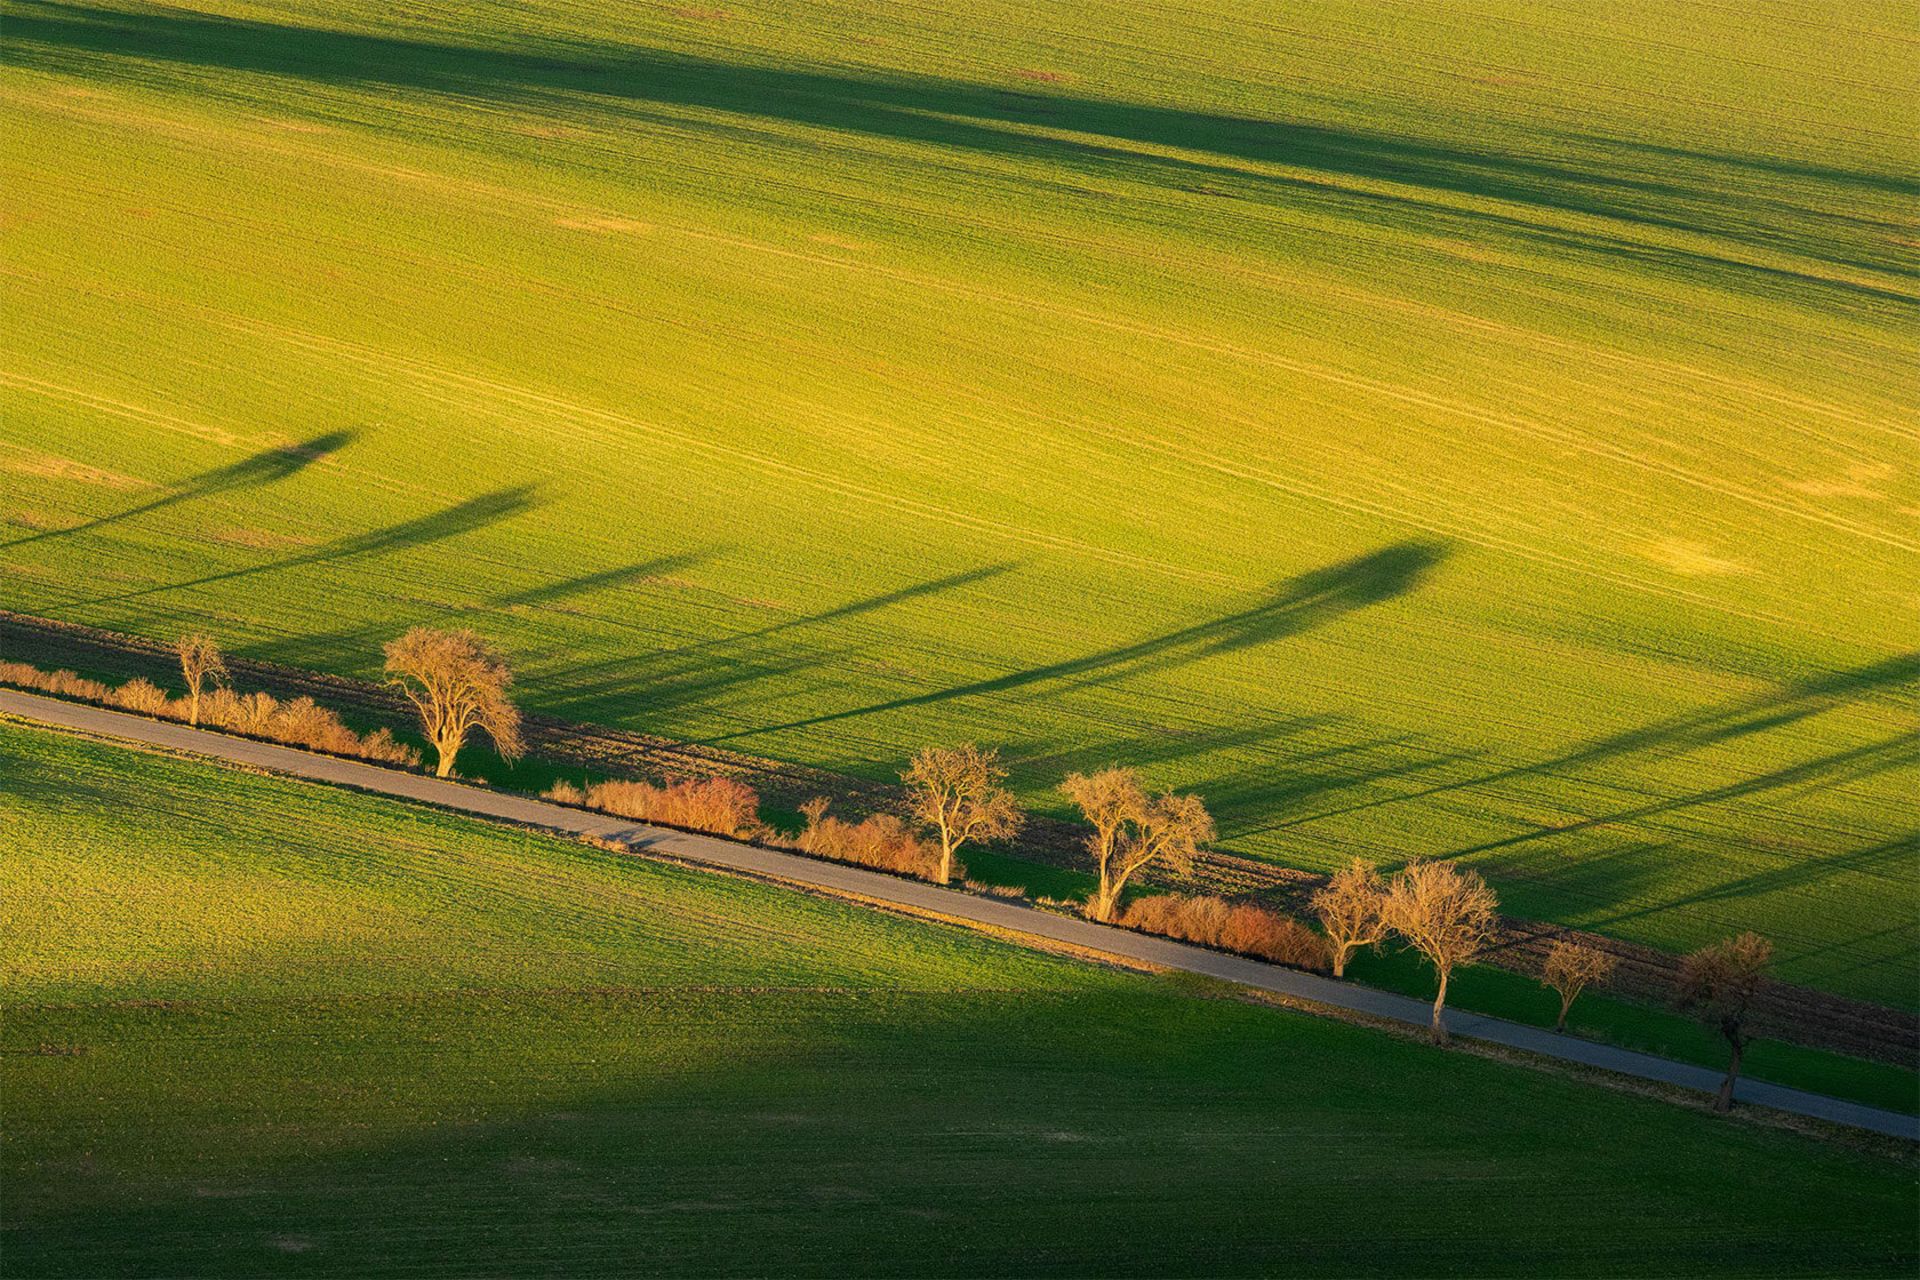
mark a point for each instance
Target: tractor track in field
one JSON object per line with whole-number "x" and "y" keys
{"x": 1798, "y": 1014}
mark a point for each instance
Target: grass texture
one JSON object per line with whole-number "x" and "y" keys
{"x": 372, "y": 1038}
{"x": 1429, "y": 429}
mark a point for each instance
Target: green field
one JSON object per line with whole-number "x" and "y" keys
{"x": 1464, "y": 429}
{"x": 380, "y": 1038}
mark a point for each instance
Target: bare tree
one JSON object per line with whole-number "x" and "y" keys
{"x": 1131, "y": 829}
{"x": 200, "y": 662}
{"x": 1107, "y": 800}
{"x": 458, "y": 683}
{"x": 1447, "y": 915}
{"x": 1718, "y": 984}
{"x": 1351, "y": 907}
{"x": 1571, "y": 968}
{"x": 959, "y": 792}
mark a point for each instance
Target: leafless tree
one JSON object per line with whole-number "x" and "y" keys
{"x": 1718, "y": 983}
{"x": 1351, "y": 907}
{"x": 458, "y": 683}
{"x": 1447, "y": 915}
{"x": 1571, "y": 968}
{"x": 959, "y": 792}
{"x": 1107, "y": 800}
{"x": 200, "y": 661}
{"x": 1132, "y": 829}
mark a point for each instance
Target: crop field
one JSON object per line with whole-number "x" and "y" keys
{"x": 370, "y": 1037}
{"x": 1461, "y": 429}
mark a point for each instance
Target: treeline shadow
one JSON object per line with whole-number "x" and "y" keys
{"x": 460, "y": 518}
{"x": 1210, "y": 153}
{"x": 700, "y": 673}
{"x": 266, "y": 467}
{"x": 1299, "y": 604}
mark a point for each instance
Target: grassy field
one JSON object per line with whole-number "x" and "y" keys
{"x": 382, "y": 1038}
{"x": 1424, "y": 429}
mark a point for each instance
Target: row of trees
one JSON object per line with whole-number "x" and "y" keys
{"x": 458, "y": 684}
{"x": 1449, "y": 916}
{"x": 1446, "y": 913}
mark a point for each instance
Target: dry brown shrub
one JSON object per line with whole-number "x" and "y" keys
{"x": 253, "y": 712}
{"x": 1238, "y": 926}
{"x": 21, "y": 676}
{"x": 722, "y": 806}
{"x": 564, "y": 792}
{"x": 301, "y": 722}
{"x": 220, "y": 708}
{"x": 380, "y": 745}
{"x": 883, "y": 841}
{"x": 69, "y": 684}
{"x": 1272, "y": 936}
{"x": 304, "y": 722}
{"x": 141, "y": 695}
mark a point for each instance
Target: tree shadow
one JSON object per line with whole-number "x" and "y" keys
{"x": 605, "y": 579}
{"x": 1821, "y": 772}
{"x": 263, "y": 468}
{"x": 1890, "y": 862}
{"x": 856, "y": 608}
{"x": 460, "y": 518}
{"x": 1191, "y": 150}
{"x": 1300, "y": 604}
{"x": 1793, "y": 702}
{"x": 698, "y": 673}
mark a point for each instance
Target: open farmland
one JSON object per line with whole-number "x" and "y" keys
{"x": 381, "y": 1038}
{"x": 1424, "y": 430}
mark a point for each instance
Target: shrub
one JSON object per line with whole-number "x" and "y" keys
{"x": 380, "y": 745}
{"x": 1236, "y": 926}
{"x": 883, "y": 841}
{"x": 722, "y": 806}
{"x": 142, "y": 696}
{"x": 66, "y": 684}
{"x": 301, "y": 722}
{"x": 564, "y": 792}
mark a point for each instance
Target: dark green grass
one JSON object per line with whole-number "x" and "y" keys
{"x": 1634, "y": 1025}
{"x": 380, "y": 1040}
{"x": 1482, "y": 989}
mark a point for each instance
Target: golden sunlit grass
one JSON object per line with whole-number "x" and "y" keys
{"x": 1419, "y": 432}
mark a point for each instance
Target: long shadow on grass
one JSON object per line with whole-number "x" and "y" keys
{"x": 350, "y": 647}
{"x": 1902, "y": 751}
{"x": 460, "y": 518}
{"x": 1677, "y": 735}
{"x": 1207, "y": 153}
{"x": 1300, "y": 604}
{"x": 698, "y": 673}
{"x": 263, "y": 468}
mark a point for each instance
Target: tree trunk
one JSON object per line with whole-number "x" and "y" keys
{"x": 1439, "y": 1030}
{"x": 1724, "y": 1102}
{"x": 1566, "y": 1003}
{"x": 1339, "y": 961}
{"x": 446, "y": 754}
{"x": 1103, "y": 900}
{"x": 946, "y": 859}
{"x": 193, "y": 707}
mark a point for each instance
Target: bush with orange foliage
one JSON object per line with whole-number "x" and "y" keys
{"x": 721, "y": 806}
{"x": 146, "y": 698}
{"x": 1230, "y": 926}
{"x": 300, "y": 723}
{"x": 883, "y": 841}
{"x": 65, "y": 684}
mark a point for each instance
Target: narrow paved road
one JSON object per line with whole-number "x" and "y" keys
{"x": 948, "y": 902}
